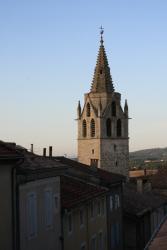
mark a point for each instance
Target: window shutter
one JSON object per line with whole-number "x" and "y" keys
{"x": 48, "y": 208}
{"x": 32, "y": 215}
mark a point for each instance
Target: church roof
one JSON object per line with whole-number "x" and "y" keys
{"x": 102, "y": 80}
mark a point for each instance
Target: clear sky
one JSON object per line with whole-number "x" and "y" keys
{"x": 48, "y": 51}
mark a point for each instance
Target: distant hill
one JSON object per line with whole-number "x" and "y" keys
{"x": 149, "y": 154}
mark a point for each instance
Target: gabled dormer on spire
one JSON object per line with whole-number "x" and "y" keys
{"x": 102, "y": 80}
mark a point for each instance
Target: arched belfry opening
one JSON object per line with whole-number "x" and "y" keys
{"x": 119, "y": 128}
{"x": 113, "y": 109}
{"x": 92, "y": 128}
{"x": 108, "y": 127}
{"x": 88, "y": 109}
{"x": 84, "y": 128}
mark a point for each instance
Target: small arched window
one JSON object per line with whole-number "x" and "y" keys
{"x": 92, "y": 128}
{"x": 113, "y": 109}
{"x": 84, "y": 128}
{"x": 88, "y": 109}
{"x": 108, "y": 127}
{"x": 119, "y": 127}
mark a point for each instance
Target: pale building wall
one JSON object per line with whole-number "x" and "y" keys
{"x": 46, "y": 237}
{"x": 6, "y": 207}
{"x": 92, "y": 226}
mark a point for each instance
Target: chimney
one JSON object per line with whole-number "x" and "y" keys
{"x": 50, "y": 151}
{"x": 44, "y": 152}
{"x": 32, "y": 148}
{"x": 140, "y": 186}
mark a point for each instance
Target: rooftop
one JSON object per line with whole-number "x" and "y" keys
{"x": 74, "y": 192}
{"x": 159, "y": 180}
{"x": 159, "y": 242}
{"x": 105, "y": 176}
{"x": 9, "y": 151}
{"x": 137, "y": 204}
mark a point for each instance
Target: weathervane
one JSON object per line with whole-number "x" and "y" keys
{"x": 101, "y": 33}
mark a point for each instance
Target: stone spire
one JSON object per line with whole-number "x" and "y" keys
{"x": 102, "y": 80}
{"x": 126, "y": 108}
{"x": 79, "y": 110}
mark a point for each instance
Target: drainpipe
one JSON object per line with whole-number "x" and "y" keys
{"x": 62, "y": 214}
{"x": 15, "y": 208}
{"x": 87, "y": 221}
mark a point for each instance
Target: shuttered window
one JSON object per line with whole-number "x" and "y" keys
{"x": 48, "y": 208}
{"x": 32, "y": 215}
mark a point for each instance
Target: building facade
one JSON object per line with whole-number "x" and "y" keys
{"x": 39, "y": 214}
{"x": 8, "y": 160}
{"x": 92, "y": 207}
{"x": 57, "y": 203}
{"x": 102, "y": 123}
{"x": 84, "y": 219}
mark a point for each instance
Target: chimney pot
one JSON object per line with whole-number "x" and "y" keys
{"x": 50, "y": 151}
{"x": 44, "y": 152}
{"x": 32, "y": 148}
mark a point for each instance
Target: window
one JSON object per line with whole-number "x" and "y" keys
{"x": 113, "y": 236}
{"x": 83, "y": 246}
{"x": 113, "y": 109}
{"x": 93, "y": 243}
{"x": 92, "y": 209}
{"x": 81, "y": 216}
{"x": 84, "y": 128}
{"x": 111, "y": 203}
{"x": 108, "y": 127}
{"x": 56, "y": 203}
{"x": 69, "y": 222}
{"x": 93, "y": 151}
{"x": 32, "y": 215}
{"x": 48, "y": 208}
{"x": 117, "y": 229}
{"x": 88, "y": 109}
{"x": 94, "y": 162}
{"x": 115, "y": 147}
{"x": 100, "y": 247}
{"x": 117, "y": 201}
{"x": 119, "y": 127}
{"x": 98, "y": 208}
{"x": 92, "y": 128}
{"x": 102, "y": 207}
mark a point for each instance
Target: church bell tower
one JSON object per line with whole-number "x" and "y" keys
{"x": 102, "y": 123}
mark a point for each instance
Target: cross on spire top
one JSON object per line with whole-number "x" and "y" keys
{"x": 101, "y": 34}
